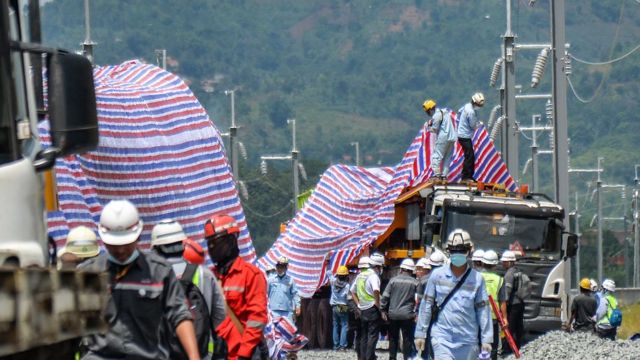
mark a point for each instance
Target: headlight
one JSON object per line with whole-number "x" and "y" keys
{"x": 550, "y": 311}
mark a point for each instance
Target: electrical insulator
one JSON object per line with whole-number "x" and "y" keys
{"x": 303, "y": 172}
{"x": 242, "y": 149}
{"x": 495, "y": 72}
{"x": 243, "y": 190}
{"x": 551, "y": 139}
{"x": 567, "y": 64}
{"x": 263, "y": 167}
{"x": 624, "y": 193}
{"x": 538, "y": 68}
{"x": 548, "y": 110}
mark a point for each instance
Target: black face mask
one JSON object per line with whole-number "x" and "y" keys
{"x": 223, "y": 249}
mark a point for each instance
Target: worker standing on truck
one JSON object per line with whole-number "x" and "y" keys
{"x": 81, "y": 245}
{"x": 468, "y": 116}
{"x": 513, "y": 306}
{"x": 169, "y": 241}
{"x": 366, "y": 294}
{"x": 244, "y": 287}
{"x": 441, "y": 124}
{"x": 399, "y": 308}
{"x": 583, "y": 309}
{"x": 493, "y": 283}
{"x": 455, "y": 306}
{"x": 606, "y": 326}
{"x": 144, "y": 292}
{"x": 339, "y": 307}
{"x": 283, "y": 292}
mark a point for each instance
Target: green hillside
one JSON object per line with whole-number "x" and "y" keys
{"x": 358, "y": 71}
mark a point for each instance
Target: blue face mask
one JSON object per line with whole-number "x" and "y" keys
{"x": 458, "y": 260}
{"x": 132, "y": 258}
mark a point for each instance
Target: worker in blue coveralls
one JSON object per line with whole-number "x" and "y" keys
{"x": 441, "y": 125}
{"x": 454, "y": 331}
{"x": 466, "y": 127}
{"x": 283, "y": 292}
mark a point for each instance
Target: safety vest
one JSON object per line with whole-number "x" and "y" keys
{"x": 361, "y": 282}
{"x": 612, "y": 303}
{"x": 493, "y": 283}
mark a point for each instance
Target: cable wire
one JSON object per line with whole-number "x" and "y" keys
{"x": 575, "y": 93}
{"x": 245, "y": 206}
{"x": 605, "y": 62}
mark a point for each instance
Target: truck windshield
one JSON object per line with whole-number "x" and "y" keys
{"x": 534, "y": 237}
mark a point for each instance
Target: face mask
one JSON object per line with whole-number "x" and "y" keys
{"x": 132, "y": 258}
{"x": 458, "y": 260}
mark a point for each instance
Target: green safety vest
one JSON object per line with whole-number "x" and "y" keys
{"x": 361, "y": 282}
{"x": 612, "y": 303}
{"x": 493, "y": 283}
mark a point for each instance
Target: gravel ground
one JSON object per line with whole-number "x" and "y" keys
{"x": 578, "y": 346}
{"x": 350, "y": 354}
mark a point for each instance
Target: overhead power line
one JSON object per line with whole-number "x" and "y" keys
{"x": 605, "y": 62}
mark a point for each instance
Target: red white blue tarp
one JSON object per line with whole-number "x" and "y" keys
{"x": 158, "y": 148}
{"x": 352, "y": 206}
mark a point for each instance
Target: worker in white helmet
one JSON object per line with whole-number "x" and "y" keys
{"x": 423, "y": 269}
{"x": 366, "y": 294}
{"x": 493, "y": 283}
{"x": 608, "y": 316}
{"x": 144, "y": 293}
{"x": 398, "y": 307}
{"x": 476, "y": 258}
{"x": 283, "y": 292}
{"x": 458, "y": 295}
{"x": 467, "y": 125}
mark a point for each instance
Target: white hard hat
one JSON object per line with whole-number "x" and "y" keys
{"x": 167, "y": 232}
{"x": 477, "y": 255}
{"x": 594, "y": 284}
{"x": 407, "y": 264}
{"x": 437, "y": 258}
{"x": 81, "y": 242}
{"x": 478, "y": 98}
{"x": 459, "y": 239}
{"x": 282, "y": 260}
{"x": 376, "y": 260}
{"x": 423, "y": 263}
{"x": 508, "y": 255}
{"x": 120, "y": 223}
{"x": 609, "y": 285}
{"x": 490, "y": 257}
{"x": 363, "y": 263}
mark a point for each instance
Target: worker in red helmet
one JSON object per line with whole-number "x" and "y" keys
{"x": 244, "y": 287}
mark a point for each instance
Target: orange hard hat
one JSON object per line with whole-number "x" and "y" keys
{"x": 193, "y": 252}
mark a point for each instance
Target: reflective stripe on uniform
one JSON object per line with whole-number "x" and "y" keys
{"x": 255, "y": 324}
{"x": 137, "y": 286}
{"x": 233, "y": 288}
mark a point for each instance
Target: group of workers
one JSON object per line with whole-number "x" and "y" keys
{"x": 441, "y": 124}
{"x": 594, "y": 309}
{"x": 439, "y": 304}
{"x": 150, "y": 313}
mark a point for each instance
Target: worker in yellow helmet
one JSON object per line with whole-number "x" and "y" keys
{"x": 340, "y": 308}
{"x": 440, "y": 123}
{"x": 583, "y": 308}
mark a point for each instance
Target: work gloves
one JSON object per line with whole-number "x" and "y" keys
{"x": 486, "y": 347}
{"x": 419, "y": 344}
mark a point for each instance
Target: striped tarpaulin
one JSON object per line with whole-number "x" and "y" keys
{"x": 158, "y": 148}
{"x": 352, "y": 206}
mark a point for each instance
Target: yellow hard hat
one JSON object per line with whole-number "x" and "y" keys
{"x": 585, "y": 283}
{"x": 342, "y": 270}
{"x": 429, "y": 104}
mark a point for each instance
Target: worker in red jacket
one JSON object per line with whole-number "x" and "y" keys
{"x": 244, "y": 287}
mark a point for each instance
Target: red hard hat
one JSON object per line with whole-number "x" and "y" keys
{"x": 193, "y": 252}
{"x": 220, "y": 225}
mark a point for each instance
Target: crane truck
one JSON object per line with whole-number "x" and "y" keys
{"x": 43, "y": 311}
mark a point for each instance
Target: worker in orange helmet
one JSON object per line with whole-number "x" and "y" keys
{"x": 244, "y": 287}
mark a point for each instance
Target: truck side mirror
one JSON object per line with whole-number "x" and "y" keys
{"x": 572, "y": 245}
{"x": 72, "y": 110}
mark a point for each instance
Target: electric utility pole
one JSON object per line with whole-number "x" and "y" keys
{"x": 87, "y": 45}
{"x": 233, "y": 133}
